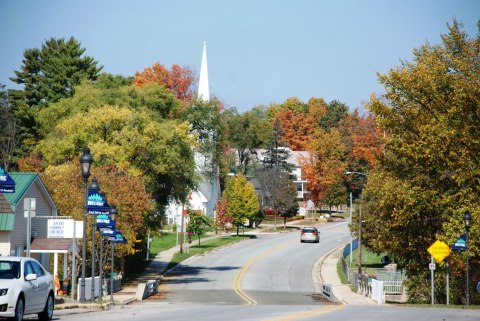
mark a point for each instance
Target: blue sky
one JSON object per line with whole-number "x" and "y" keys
{"x": 259, "y": 51}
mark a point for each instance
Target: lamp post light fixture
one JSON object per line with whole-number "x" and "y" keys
{"x": 86, "y": 161}
{"x": 94, "y": 187}
{"x": 467, "y": 220}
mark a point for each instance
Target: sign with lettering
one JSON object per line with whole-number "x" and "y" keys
{"x": 104, "y": 221}
{"x": 439, "y": 250}
{"x": 7, "y": 184}
{"x": 97, "y": 204}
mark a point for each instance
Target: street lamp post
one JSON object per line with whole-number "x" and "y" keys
{"x": 113, "y": 216}
{"x": 94, "y": 187}
{"x": 359, "y": 229}
{"x": 86, "y": 161}
{"x": 467, "y": 218}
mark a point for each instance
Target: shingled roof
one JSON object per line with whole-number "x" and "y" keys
{"x": 51, "y": 245}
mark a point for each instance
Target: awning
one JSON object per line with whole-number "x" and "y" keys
{"x": 53, "y": 245}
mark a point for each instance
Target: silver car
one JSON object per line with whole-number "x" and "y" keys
{"x": 25, "y": 288}
{"x": 309, "y": 234}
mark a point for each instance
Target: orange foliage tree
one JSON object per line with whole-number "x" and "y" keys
{"x": 127, "y": 192}
{"x": 179, "y": 80}
{"x": 363, "y": 138}
{"x": 297, "y": 123}
{"x": 325, "y": 162}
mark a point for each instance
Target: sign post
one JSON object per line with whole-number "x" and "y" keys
{"x": 439, "y": 251}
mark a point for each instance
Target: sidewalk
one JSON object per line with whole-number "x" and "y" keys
{"x": 324, "y": 272}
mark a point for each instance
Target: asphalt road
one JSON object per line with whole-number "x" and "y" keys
{"x": 269, "y": 269}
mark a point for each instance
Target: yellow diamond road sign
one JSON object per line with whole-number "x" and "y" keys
{"x": 439, "y": 250}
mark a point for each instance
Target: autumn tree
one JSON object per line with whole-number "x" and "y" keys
{"x": 65, "y": 185}
{"x": 296, "y": 121}
{"x": 179, "y": 80}
{"x": 325, "y": 162}
{"x": 242, "y": 201}
{"x": 429, "y": 175}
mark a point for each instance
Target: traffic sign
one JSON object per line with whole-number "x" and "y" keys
{"x": 439, "y": 250}
{"x": 431, "y": 266}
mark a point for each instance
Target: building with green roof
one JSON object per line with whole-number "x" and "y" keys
{"x": 14, "y": 222}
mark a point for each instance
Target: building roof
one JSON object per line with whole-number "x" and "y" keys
{"x": 23, "y": 181}
{"x": 51, "y": 245}
{"x": 5, "y": 206}
{"x": 7, "y": 215}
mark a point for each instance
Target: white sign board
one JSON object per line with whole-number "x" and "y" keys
{"x": 64, "y": 228}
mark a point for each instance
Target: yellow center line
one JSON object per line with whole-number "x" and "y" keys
{"x": 237, "y": 281}
{"x": 308, "y": 314}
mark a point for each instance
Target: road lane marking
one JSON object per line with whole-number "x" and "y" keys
{"x": 309, "y": 314}
{"x": 237, "y": 280}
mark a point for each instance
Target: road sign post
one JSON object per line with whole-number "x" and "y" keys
{"x": 439, "y": 251}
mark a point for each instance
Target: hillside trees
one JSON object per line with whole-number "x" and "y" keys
{"x": 48, "y": 74}
{"x": 429, "y": 175}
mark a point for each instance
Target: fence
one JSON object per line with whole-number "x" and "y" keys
{"x": 388, "y": 281}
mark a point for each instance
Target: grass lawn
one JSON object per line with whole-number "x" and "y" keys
{"x": 369, "y": 259}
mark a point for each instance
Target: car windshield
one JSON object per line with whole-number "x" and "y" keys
{"x": 309, "y": 230}
{"x": 9, "y": 270}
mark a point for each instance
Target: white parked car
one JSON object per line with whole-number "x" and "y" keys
{"x": 25, "y": 288}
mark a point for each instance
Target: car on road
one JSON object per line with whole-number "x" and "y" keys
{"x": 309, "y": 234}
{"x": 25, "y": 288}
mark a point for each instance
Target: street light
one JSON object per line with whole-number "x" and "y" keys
{"x": 359, "y": 227}
{"x": 113, "y": 216}
{"x": 86, "y": 161}
{"x": 94, "y": 187}
{"x": 467, "y": 218}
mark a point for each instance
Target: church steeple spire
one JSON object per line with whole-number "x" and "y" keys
{"x": 203, "y": 90}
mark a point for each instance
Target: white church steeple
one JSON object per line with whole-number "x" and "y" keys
{"x": 203, "y": 91}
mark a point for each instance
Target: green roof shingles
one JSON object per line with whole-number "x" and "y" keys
{"x": 22, "y": 182}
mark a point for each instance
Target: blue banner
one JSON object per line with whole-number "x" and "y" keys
{"x": 117, "y": 238}
{"x": 7, "y": 184}
{"x": 460, "y": 244}
{"x": 104, "y": 221}
{"x": 97, "y": 204}
{"x": 108, "y": 232}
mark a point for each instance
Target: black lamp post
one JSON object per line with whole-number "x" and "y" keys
{"x": 113, "y": 216}
{"x": 86, "y": 161}
{"x": 100, "y": 265}
{"x": 467, "y": 218}
{"x": 94, "y": 187}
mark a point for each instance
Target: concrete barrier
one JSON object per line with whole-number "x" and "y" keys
{"x": 144, "y": 290}
{"x": 327, "y": 290}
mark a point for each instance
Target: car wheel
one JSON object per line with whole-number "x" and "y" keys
{"x": 19, "y": 309}
{"x": 47, "y": 312}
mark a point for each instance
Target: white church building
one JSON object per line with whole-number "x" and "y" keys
{"x": 205, "y": 198}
